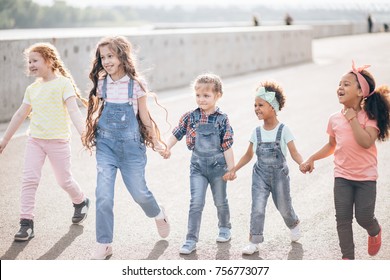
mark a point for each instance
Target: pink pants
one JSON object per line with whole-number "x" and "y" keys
{"x": 58, "y": 152}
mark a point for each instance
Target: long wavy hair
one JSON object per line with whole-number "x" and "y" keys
{"x": 123, "y": 50}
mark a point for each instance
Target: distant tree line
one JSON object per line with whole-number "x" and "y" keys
{"x": 28, "y": 14}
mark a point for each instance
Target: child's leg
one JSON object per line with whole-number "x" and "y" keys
{"x": 106, "y": 175}
{"x": 198, "y": 187}
{"x": 218, "y": 189}
{"x": 59, "y": 154}
{"x": 260, "y": 194}
{"x": 132, "y": 167}
{"x": 282, "y": 199}
{"x": 365, "y": 197}
{"x": 344, "y": 200}
{"x": 33, "y": 162}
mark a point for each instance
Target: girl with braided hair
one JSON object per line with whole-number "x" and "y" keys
{"x": 51, "y": 100}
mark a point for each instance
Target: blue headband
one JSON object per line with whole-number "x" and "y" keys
{"x": 268, "y": 96}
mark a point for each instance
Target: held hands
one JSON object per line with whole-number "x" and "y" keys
{"x": 307, "y": 166}
{"x": 166, "y": 154}
{"x": 230, "y": 175}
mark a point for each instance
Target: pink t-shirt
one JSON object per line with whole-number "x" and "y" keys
{"x": 352, "y": 161}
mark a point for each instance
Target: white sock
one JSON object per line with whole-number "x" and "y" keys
{"x": 160, "y": 216}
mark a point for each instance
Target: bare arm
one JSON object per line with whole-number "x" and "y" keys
{"x": 365, "y": 137}
{"x": 325, "y": 151}
{"x": 75, "y": 114}
{"x": 17, "y": 119}
{"x": 244, "y": 159}
{"x": 229, "y": 158}
{"x": 231, "y": 174}
{"x": 145, "y": 118}
{"x": 172, "y": 140}
{"x": 296, "y": 156}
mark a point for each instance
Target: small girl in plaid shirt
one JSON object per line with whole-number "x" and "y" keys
{"x": 210, "y": 137}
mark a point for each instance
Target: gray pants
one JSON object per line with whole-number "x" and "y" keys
{"x": 362, "y": 195}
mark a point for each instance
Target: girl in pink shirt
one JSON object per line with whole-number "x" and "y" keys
{"x": 352, "y": 135}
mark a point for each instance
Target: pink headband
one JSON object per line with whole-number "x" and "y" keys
{"x": 362, "y": 81}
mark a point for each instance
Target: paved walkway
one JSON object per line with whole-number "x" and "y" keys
{"x": 311, "y": 98}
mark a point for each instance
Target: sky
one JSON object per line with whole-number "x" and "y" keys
{"x": 345, "y": 4}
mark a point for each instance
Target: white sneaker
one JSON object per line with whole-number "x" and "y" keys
{"x": 102, "y": 251}
{"x": 250, "y": 249}
{"x": 295, "y": 234}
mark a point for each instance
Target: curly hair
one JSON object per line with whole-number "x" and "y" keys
{"x": 273, "y": 86}
{"x": 377, "y": 105}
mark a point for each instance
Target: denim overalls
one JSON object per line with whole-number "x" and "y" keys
{"x": 119, "y": 145}
{"x": 270, "y": 175}
{"x": 208, "y": 165}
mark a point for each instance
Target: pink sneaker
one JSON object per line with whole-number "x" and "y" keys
{"x": 102, "y": 251}
{"x": 374, "y": 243}
{"x": 163, "y": 226}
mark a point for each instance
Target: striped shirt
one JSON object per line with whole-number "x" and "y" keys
{"x": 188, "y": 123}
{"x": 117, "y": 91}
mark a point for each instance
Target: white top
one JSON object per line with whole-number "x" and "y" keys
{"x": 270, "y": 136}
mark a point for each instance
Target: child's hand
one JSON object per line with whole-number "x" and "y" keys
{"x": 158, "y": 147}
{"x": 165, "y": 153}
{"x": 229, "y": 176}
{"x": 307, "y": 166}
{"x": 349, "y": 114}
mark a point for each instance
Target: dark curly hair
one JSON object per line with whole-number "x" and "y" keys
{"x": 279, "y": 94}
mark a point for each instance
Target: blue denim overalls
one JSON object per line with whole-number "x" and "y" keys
{"x": 119, "y": 145}
{"x": 208, "y": 165}
{"x": 270, "y": 175}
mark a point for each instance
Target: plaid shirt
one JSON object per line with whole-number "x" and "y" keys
{"x": 188, "y": 122}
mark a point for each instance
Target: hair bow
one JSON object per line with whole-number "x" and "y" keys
{"x": 361, "y": 80}
{"x": 268, "y": 96}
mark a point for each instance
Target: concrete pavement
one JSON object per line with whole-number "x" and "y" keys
{"x": 311, "y": 97}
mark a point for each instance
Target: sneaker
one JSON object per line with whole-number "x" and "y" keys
{"x": 224, "y": 235}
{"x": 163, "y": 226}
{"x": 295, "y": 234}
{"x": 374, "y": 243}
{"x": 102, "y": 251}
{"x": 250, "y": 249}
{"x": 26, "y": 231}
{"x": 80, "y": 211}
{"x": 188, "y": 247}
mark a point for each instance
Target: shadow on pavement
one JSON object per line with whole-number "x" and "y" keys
{"x": 223, "y": 252}
{"x": 14, "y": 250}
{"x": 255, "y": 256}
{"x": 296, "y": 252}
{"x": 193, "y": 256}
{"x": 63, "y": 243}
{"x": 157, "y": 250}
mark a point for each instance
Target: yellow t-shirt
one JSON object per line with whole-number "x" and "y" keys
{"x": 50, "y": 117}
